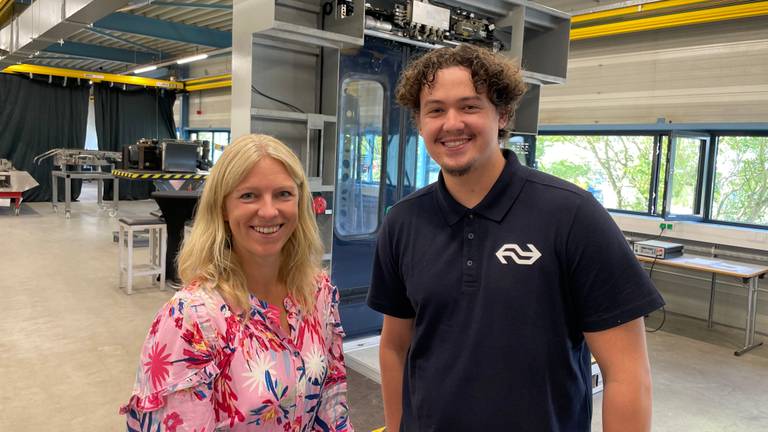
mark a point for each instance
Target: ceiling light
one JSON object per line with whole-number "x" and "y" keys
{"x": 191, "y": 59}
{"x": 145, "y": 69}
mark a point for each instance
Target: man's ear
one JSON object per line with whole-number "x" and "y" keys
{"x": 503, "y": 119}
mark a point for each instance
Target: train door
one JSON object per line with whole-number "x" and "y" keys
{"x": 369, "y": 127}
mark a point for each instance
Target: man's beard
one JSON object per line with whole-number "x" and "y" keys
{"x": 458, "y": 172}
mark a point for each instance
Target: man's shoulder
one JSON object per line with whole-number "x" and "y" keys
{"x": 416, "y": 202}
{"x": 555, "y": 194}
{"x": 554, "y": 185}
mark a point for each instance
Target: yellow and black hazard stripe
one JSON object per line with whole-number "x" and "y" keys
{"x": 133, "y": 175}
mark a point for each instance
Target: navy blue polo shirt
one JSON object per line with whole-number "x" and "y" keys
{"x": 500, "y": 295}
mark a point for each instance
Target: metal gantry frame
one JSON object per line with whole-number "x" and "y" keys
{"x": 634, "y": 19}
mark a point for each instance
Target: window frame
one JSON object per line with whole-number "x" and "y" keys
{"x": 380, "y": 211}
{"x": 608, "y": 132}
{"x": 707, "y": 169}
{"x": 716, "y": 135}
{"x": 704, "y": 164}
{"x": 189, "y": 131}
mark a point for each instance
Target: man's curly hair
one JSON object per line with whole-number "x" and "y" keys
{"x": 499, "y": 78}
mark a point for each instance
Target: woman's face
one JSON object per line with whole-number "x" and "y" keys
{"x": 262, "y": 212}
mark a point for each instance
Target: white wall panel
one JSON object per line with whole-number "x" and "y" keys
{"x": 214, "y": 104}
{"x": 213, "y": 66}
{"x": 214, "y": 107}
{"x": 710, "y": 73}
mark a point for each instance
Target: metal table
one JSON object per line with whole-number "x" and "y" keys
{"x": 748, "y": 273}
{"x": 17, "y": 183}
{"x": 99, "y": 176}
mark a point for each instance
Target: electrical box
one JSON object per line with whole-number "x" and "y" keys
{"x": 658, "y": 249}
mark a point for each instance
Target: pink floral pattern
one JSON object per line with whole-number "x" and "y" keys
{"x": 204, "y": 368}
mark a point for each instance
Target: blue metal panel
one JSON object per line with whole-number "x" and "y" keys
{"x": 102, "y": 53}
{"x": 123, "y": 40}
{"x": 160, "y": 29}
{"x": 184, "y": 116}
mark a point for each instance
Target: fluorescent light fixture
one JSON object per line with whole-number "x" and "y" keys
{"x": 191, "y": 59}
{"x": 145, "y": 69}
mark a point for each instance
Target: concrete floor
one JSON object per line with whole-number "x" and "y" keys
{"x": 70, "y": 339}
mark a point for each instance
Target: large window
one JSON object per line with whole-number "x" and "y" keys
{"x": 687, "y": 165}
{"x": 360, "y": 159}
{"x": 740, "y": 192}
{"x": 679, "y": 175}
{"x": 427, "y": 169}
{"x": 218, "y": 141}
{"x": 615, "y": 169}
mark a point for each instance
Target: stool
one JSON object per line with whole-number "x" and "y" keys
{"x": 157, "y": 250}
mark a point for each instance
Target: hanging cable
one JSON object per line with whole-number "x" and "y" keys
{"x": 650, "y": 275}
{"x": 258, "y": 92}
{"x": 663, "y": 310}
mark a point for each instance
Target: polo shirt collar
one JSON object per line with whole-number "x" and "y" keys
{"x": 496, "y": 202}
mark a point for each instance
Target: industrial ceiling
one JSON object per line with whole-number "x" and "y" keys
{"x": 120, "y": 36}
{"x": 131, "y": 34}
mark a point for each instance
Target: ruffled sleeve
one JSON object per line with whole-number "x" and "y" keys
{"x": 177, "y": 368}
{"x": 333, "y": 413}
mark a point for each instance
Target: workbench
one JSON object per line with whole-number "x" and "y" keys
{"x": 749, "y": 274}
{"x": 99, "y": 176}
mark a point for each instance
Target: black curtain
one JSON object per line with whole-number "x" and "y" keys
{"x": 125, "y": 116}
{"x": 37, "y": 116}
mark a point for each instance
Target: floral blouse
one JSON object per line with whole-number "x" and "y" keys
{"x": 204, "y": 369}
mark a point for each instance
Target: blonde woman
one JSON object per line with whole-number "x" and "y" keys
{"x": 253, "y": 341}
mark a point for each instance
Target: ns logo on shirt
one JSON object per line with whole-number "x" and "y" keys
{"x": 518, "y": 255}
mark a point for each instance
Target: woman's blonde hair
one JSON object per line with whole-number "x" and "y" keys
{"x": 206, "y": 255}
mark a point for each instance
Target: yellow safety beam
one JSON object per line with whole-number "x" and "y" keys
{"x": 208, "y": 86}
{"x": 673, "y": 20}
{"x": 629, "y": 10}
{"x": 208, "y": 79}
{"x": 93, "y": 76}
{"x": 138, "y": 175}
{"x": 6, "y": 11}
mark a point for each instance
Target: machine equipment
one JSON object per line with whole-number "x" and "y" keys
{"x": 5, "y": 173}
{"x": 658, "y": 249}
{"x": 168, "y": 155}
{"x": 81, "y": 164}
{"x": 432, "y": 22}
{"x": 13, "y": 184}
{"x": 63, "y": 157}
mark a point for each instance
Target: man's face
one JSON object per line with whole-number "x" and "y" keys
{"x": 459, "y": 126}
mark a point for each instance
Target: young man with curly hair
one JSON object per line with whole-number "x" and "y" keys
{"x": 498, "y": 281}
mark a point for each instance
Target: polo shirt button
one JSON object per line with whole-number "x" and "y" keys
{"x": 469, "y": 263}
{"x": 470, "y": 236}
{"x": 471, "y": 216}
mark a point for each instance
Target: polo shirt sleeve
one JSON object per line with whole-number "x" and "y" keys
{"x": 608, "y": 285}
{"x": 387, "y": 293}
